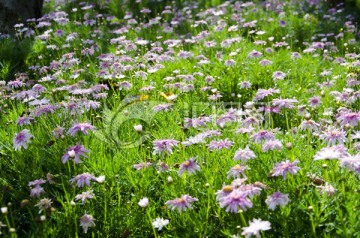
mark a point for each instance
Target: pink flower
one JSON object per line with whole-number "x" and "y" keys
{"x": 181, "y": 203}
{"x": 83, "y": 179}
{"x": 284, "y": 167}
{"x": 244, "y": 154}
{"x": 87, "y": 221}
{"x": 84, "y": 196}
{"x": 74, "y": 152}
{"x": 190, "y": 165}
{"x": 277, "y": 198}
{"x": 83, "y": 127}
{"x": 234, "y": 200}
{"x": 220, "y": 144}
{"x": 164, "y": 146}
{"x": 255, "y": 227}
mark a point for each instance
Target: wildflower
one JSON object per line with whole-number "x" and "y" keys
{"x": 236, "y": 171}
{"x": 58, "y": 132}
{"x": 164, "y": 146}
{"x": 159, "y": 223}
{"x": 144, "y": 202}
{"x": 181, "y": 203}
{"x": 141, "y": 165}
{"x": 74, "y": 152}
{"x": 328, "y": 189}
{"x": 249, "y": 189}
{"x": 83, "y": 179}
{"x": 333, "y": 136}
{"x": 278, "y": 75}
{"x": 100, "y": 179}
{"x": 190, "y": 165}
{"x": 327, "y": 153}
{"x": 163, "y": 107}
{"x": 255, "y": 227}
{"x": 314, "y": 101}
{"x": 234, "y": 200}
{"x": 244, "y": 154}
{"x": 138, "y": 128}
{"x": 351, "y": 118}
{"x": 262, "y": 135}
{"x": 226, "y": 190}
{"x": 220, "y": 144}
{"x": 84, "y": 196}
{"x": 351, "y": 162}
{"x": 87, "y": 221}
{"x": 44, "y": 204}
{"x": 21, "y": 139}
{"x": 309, "y": 124}
{"x": 284, "y": 167}
{"x": 262, "y": 93}
{"x": 83, "y": 127}
{"x": 36, "y": 191}
{"x": 272, "y": 145}
{"x": 286, "y": 103}
{"x": 275, "y": 199}
{"x": 25, "y": 120}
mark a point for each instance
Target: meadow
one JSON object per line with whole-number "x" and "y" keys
{"x": 181, "y": 119}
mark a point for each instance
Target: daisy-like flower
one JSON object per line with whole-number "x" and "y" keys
{"x": 141, "y": 165}
{"x": 74, "y": 152}
{"x": 284, "y": 167}
{"x": 164, "y": 146}
{"x": 244, "y": 154}
{"x": 21, "y": 139}
{"x": 332, "y": 136}
{"x": 190, "y": 165}
{"x": 262, "y": 135}
{"x": 83, "y": 127}
{"x": 144, "y": 202}
{"x": 234, "y": 200}
{"x": 181, "y": 203}
{"x": 351, "y": 118}
{"x": 159, "y": 223}
{"x": 226, "y": 190}
{"x": 83, "y": 179}
{"x": 87, "y": 221}
{"x": 309, "y": 124}
{"x": 327, "y": 189}
{"x": 255, "y": 227}
{"x": 276, "y": 199}
{"x": 278, "y": 75}
{"x": 236, "y": 171}
{"x": 44, "y": 204}
{"x": 84, "y": 196}
{"x": 328, "y": 153}
{"x": 272, "y": 145}
{"x": 220, "y": 144}
{"x": 58, "y": 132}
{"x": 284, "y": 103}
{"x": 314, "y": 101}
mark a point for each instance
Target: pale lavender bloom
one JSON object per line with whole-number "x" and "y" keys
{"x": 286, "y": 103}
{"x": 309, "y": 124}
{"x": 163, "y": 107}
{"x": 254, "y": 54}
{"x": 220, "y": 144}
{"x": 236, "y": 171}
{"x": 164, "y": 146}
{"x": 277, "y": 198}
{"x": 141, "y": 165}
{"x": 58, "y": 132}
{"x": 262, "y": 135}
{"x": 36, "y": 191}
{"x": 351, "y": 118}
{"x": 44, "y": 109}
{"x": 331, "y": 136}
{"x": 36, "y": 182}
{"x": 272, "y": 145}
{"x": 226, "y": 190}
{"x": 74, "y": 152}
{"x": 278, "y": 75}
{"x": 87, "y": 221}
{"x": 262, "y": 93}
{"x": 328, "y": 153}
{"x": 244, "y": 154}
{"x": 181, "y": 203}
{"x": 144, "y": 202}
{"x": 352, "y": 163}
{"x": 196, "y": 122}
{"x": 190, "y": 165}
{"x": 295, "y": 55}
{"x": 125, "y": 85}
{"x": 21, "y": 139}
{"x": 83, "y": 179}
{"x": 245, "y": 84}
{"x": 265, "y": 62}
{"x": 356, "y": 135}
{"x": 159, "y": 223}
{"x": 255, "y": 227}
{"x": 84, "y": 196}
{"x": 234, "y": 200}
{"x": 83, "y": 127}
{"x": 327, "y": 189}
{"x": 284, "y": 167}
{"x": 25, "y": 120}
{"x": 314, "y": 101}
{"x": 44, "y": 204}
{"x": 249, "y": 189}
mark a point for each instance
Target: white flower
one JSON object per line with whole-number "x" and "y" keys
{"x": 144, "y": 202}
{"x": 138, "y": 128}
{"x": 100, "y": 179}
{"x": 255, "y": 227}
{"x": 159, "y": 223}
{"x": 87, "y": 221}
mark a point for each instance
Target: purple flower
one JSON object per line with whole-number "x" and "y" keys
{"x": 84, "y": 196}
{"x": 262, "y": 93}
{"x": 226, "y": 190}
{"x": 83, "y": 127}
{"x": 234, "y": 200}
{"x": 181, "y": 203}
{"x": 262, "y": 135}
{"x": 87, "y": 221}
{"x": 314, "y": 101}
{"x": 272, "y": 145}
{"x": 44, "y": 204}
{"x": 141, "y": 165}
{"x": 21, "y": 139}
{"x": 58, "y": 132}
{"x": 286, "y": 103}
{"x": 74, "y": 152}
{"x": 351, "y": 118}
{"x": 328, "y": 153}
{"x": 220, "y": 144}
{"x": 284, "y": 167}
{"x": 333, "y": 136}
{"x": 278, "y": 75}
{"x": 37, "y": 189}
{"x": 164, "y": 146}
{"x": 83, "y": 179}
{"x": 190, "y": 165}
{"x": 255, "y": 227}
{"x": 236, "y": 171}
{"x": 25, "y": 120}
{"x": 277, "y": 198}
{"x": 244, "y": 154}
{"x": 163, "y": 107}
